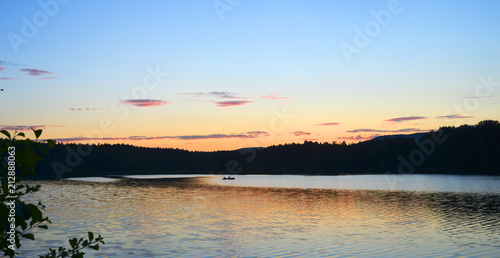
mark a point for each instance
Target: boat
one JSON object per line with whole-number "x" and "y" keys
{"x": 228, "y": 178}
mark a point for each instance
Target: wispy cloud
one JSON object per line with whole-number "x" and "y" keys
{"x": 145, "y": 102}
{"x": 84, "y": 109}
{"x": 328, "y": 124}
{"x": 18, "y": 71}
{"x": 405, "y": 130}
{"x": 35, "y": 72}
{"x": 300, "y": 133}
{"x": 49, "y": 78}
{"x": 219, "y": 95}
{"x": 3, "y": 62}
{"x": 403, "y": 119}
{"x": 28, "y": 127}
{"x": 273, "y": 96}
{"x": 454, "y": 117}
{"x": 359, "y": 137}
{"x": 232, "y": 103}
{"x": 251, "y": 134}
{"x": 214, "y": 94}
{"x": 257, "y": 133}
{"x": 21, "y": 127}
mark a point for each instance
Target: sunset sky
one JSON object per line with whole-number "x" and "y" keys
{"x": 227, "y": 74}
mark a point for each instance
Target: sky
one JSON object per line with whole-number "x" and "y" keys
{"x": 228, "y": 74}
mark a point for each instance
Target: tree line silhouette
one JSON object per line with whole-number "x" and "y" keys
{"x": 466, "y": 149}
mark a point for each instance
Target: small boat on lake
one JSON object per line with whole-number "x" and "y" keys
{"x": 228, "y": 178}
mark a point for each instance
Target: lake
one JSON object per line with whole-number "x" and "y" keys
{"x": 275, "y": 216}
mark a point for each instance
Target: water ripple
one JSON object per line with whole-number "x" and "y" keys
{"x": 193, "y": 219}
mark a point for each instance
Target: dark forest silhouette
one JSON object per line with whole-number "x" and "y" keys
{"x": 467, "y": 149}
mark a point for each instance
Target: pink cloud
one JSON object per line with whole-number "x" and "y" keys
{"x": 328, "y": 124}
{"x": 145, "y": 102}
{"x": 272, "y": 96}
{"x": 300, "y": 133}
{"x": 232, "y": 103}
{"x": 403, "y": 119}
{"x": 8, "y": 78}
{"x": 1, "y": 68}
{"x": 454, "y": 117}
{"x": 35, "y": 72}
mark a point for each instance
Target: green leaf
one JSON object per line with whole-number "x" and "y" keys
{"x": 6, "y": 134}
{"x": 95, "y": 247}
{"x": 72, "y": 242}
{"x": 43, "y": 226}
{"x": 21, "y": 134}
{"x": 91, "y": 235}
{"x": 37, "y": 132}
{"x": 30, "y": 236}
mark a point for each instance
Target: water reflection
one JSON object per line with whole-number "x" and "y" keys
{"x": 194, "y": 218}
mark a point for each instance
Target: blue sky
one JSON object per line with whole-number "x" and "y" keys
{"x": 425, "y": 60}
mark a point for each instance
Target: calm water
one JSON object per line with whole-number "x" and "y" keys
{"x": 276, "y": 216}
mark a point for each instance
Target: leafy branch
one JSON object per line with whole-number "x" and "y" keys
{"x": 76, "y": 246}
{"x": 17, "y": 217}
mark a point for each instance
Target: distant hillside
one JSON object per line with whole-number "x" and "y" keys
{"x": 414, "y": 136}
{"x": 455, "y": 150}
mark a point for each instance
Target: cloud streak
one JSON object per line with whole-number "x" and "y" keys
{"x": 403, "y": 119}
{"x": 84, "y": 109}
{"x": 359, "y": 137}
{"x": 214, "y": 94}
{"x": 49, "y": 78}
{"x": 145, "y": 102}
{"x": 247, "y": 135}
{"x": 232, "y": 103}
{"x": 2, "y": 62}
{"x": 273, "y": 96}
{"x": 453, "y": 117}
{"x": 328, "y": 124}
{"x": 35, "y": 72}
{"x": 300, "y": 133}
{"x": 405, "y": 130}
{"x": 28, "y": 127}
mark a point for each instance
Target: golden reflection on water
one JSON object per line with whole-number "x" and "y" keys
{"x": 195, "y": 218}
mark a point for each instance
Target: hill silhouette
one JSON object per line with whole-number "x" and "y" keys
{"x": 467, "y": 149}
